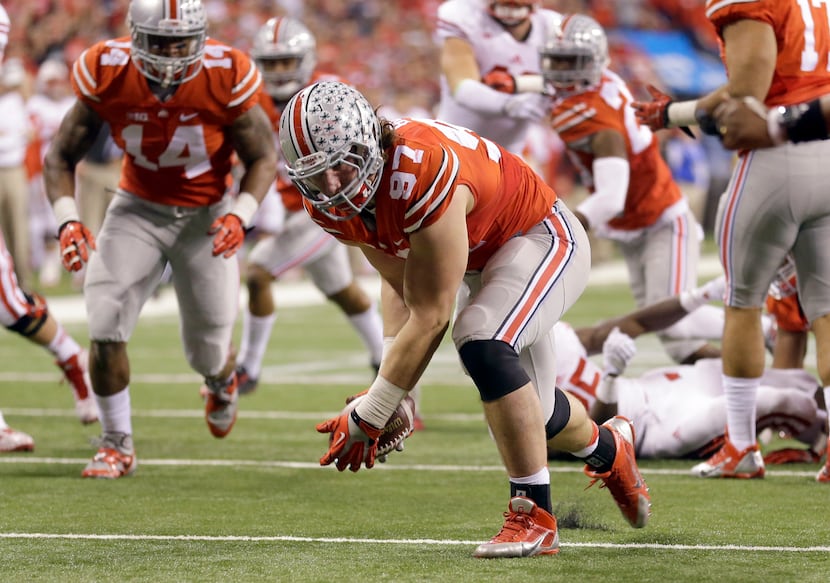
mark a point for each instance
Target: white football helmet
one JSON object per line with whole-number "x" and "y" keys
{"x": 511, "y": 12}
{"x": 286, "y": 53}
{"x": 168, "y": 39}
{"x": 574, "y": 55}
{"x": 330, "y": 126}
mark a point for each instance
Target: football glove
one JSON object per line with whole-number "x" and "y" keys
{"x": 711, "y": 291}
{"x": 229, "y": 235}
{"x": 352, "y": 441}
{"x": 530, "y": 106}
{"x": 655, "y": 113}
{"x": 76, "y": 242}
{"x": 617, "y": 351}
{"x": 500, "y": 81}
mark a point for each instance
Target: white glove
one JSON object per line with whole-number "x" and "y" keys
{"x": 711, "y": 291}
{"x": 530, "y": 106}
{"x": 617, "y": 351}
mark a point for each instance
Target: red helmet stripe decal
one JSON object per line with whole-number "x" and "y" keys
{"x": 277, "y": 27}
{"x": 297, "y": 126}
{"x": 172, "y": 8}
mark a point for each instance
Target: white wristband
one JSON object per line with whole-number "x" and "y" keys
{"x": 776, "y": 131}
{"x": 65, "y": 210}
{"x": 245, "y": 207}
{"x": 530, "y": 84}
{"x": 682, "y": 114}
{"x": 607, "y": 391}
{"x": 377, "y": 406}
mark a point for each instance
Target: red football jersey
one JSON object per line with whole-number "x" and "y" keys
{"x": 651, "y": 189}
{"x": 178, "y": 152}
{"x": 424, "y": 166}
{"x": 803, "y": 35}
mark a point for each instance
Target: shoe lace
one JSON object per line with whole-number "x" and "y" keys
{"x": 515, "y": 523}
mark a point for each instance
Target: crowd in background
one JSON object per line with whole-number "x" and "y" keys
{"x": 387, "y": 50}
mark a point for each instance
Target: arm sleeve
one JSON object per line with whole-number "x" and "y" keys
{"x": 611, "y": 175}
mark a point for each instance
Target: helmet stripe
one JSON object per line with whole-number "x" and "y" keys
{"x": 298, "y": 129}
{"x": 278, "y": 25}
{"x": 172, "y": 9}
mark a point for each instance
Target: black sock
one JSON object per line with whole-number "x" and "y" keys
{"x": 539, "y": 493}
{"x": 603, "y": 456}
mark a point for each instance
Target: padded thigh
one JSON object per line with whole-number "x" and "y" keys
{"x": 524, "y": 289}
{"x": 776, "y": 202}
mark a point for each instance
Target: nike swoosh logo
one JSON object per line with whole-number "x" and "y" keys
{"x": 341, "y": 437}
{"x": 187, "y": 116}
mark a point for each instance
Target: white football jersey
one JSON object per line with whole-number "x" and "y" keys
{"x": 46, "y": 116}
{"x": 5, "y": 26}
{"x": 495, "y": 48}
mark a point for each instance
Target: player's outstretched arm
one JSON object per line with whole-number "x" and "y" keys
{"x": 654, "y": 317}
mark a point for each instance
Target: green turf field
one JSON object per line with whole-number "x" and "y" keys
{"x": 257, "y": 507}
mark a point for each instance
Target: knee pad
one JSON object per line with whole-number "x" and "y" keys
{"x": 35, "y": 317}
{"x": 561, "y": 415}
{"x": 494, "y": 367}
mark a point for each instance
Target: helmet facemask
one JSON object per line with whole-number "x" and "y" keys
{"x": 330, "y": 137}
{"x": 286, "y": 53}
{"x": 574, "y": 57}
{"x": 167, "y": 50}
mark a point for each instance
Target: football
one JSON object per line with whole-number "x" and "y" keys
{"x": 397, "y": 429}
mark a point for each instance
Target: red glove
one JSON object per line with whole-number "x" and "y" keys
{"x": 76, "y": 242}
{"x": 655, "y": 114}
{"x": 229, "y": 235}
{"x": 791, "y": 455}
{"x": 352, "y": 441}
{"x": 500, "y": 80}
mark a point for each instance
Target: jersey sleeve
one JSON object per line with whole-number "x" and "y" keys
{"x": 581, "y": 116}
{"x": 455, "y": 20}
{"x": 431, "y": 192}
{"x": 95, "y": 68}
{"x": 725, "y": 12}
{"x": 247, "y": 88}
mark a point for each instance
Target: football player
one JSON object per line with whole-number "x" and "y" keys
{"x": 634, "y": 200}
{"x": 285, "y": 52}
{"x": 680, "y": 411}
{"x": 777, "y": 53}
{"x": 179, "y": 105}
{"x": 28, "y": 315}
{"x": 432, "y": 205}
{"x": 490, "y": 79}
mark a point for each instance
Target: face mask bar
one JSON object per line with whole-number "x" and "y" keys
{"x": 308, "y": 173}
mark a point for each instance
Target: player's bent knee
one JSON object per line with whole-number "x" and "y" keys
{"x": 494, "y": 367}
{"x": 560, "y": 417}
{"x": 30, "y": 323}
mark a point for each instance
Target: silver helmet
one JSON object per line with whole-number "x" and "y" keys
{"x": 330, "y": 126}
{"x": 168, "y": 39}
{"x": 286, "y": 53}
{"x": 574, "y": 55}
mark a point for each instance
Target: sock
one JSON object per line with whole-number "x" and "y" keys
{"x": 740, "y": 409}
{"x": 370, "y": 328}
{"x": 535, "y": 487}
{"x": 3, "y": 424}
{"x": 826, "y": 391}
{"x": 601, "y": 450}
{"x": 256, "y": 331}
{"x": 115, "y": 412}
{"x": 63, "y": 346}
